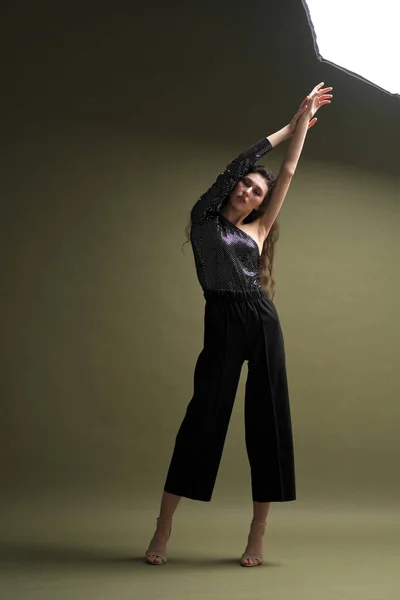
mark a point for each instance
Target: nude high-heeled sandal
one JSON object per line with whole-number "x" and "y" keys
{"x": 152, "y": 552}
{"x": 257, "y": 557}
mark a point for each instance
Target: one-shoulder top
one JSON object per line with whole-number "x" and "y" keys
{"x": 226, "y": 257}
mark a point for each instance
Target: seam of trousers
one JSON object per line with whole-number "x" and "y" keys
{"x": 272, "y": 399}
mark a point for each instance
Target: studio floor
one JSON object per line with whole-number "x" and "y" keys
{"x": 81, "y": 549}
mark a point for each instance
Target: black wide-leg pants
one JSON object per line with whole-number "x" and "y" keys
{"x": 239, "y": 326}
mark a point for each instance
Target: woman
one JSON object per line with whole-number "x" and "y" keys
{"x": 233, "y": 231}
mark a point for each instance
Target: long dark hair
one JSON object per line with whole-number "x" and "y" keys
{"x": 268, "y": 250}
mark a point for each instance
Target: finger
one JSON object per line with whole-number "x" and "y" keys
{"x": 319, "y": 86}
{"x": 312, "y": 122}
{"x": 324, "y": 92}
{"x": 302, "y": 105}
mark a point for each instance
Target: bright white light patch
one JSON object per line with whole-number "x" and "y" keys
{"x": 360, "y": 36}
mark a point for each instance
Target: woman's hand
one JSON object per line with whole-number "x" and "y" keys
{"x": 318, "y": 97}
{"x": 311, "y": 103}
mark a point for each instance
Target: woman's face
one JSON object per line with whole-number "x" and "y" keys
{"x": 249, "y": 193}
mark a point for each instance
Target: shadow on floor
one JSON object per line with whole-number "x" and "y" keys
{"x": 35, "y": 554}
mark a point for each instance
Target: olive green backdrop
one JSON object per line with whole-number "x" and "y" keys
{"x": 115, "y": 121}
{"x": 104, "y": 318}
{"x": 102, "y": 311}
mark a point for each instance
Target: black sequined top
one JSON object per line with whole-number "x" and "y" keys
{"x": 226, "y": 257}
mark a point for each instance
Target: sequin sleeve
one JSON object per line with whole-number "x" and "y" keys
{"x": 227, "y": 180}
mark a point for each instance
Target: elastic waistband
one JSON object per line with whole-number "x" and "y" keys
{"x": 235, "y": 296}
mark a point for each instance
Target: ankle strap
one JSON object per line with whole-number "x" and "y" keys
{"x": 259, "y": 522}
{"x": 160, "y": 520}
